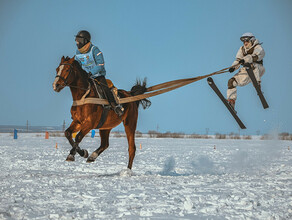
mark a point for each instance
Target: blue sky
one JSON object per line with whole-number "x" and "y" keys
{"x": 161, "y": 40}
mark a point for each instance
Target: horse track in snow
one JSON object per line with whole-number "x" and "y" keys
{"x": 170, "y": 179}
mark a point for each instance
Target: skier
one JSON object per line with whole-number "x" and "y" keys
{"x": 91, "y": 60}
{"x": 253, "y": 53}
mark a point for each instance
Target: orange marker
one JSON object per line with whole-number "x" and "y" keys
{"x": 56, "y": 145}
{"x": 140, "y": 146}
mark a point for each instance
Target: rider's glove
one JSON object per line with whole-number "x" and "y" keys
{"x": 242, "y": 61}
{"x": 231, "y": 69}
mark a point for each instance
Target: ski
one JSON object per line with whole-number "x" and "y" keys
{"x": 231, "y": 110}
{"x": 256, "y": 85}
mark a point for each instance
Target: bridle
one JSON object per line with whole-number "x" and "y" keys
{"x": 70, "y": 71}
{"x": 65, "y": 81}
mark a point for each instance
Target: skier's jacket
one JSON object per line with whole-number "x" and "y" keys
{"x": 253, "y": 55}
{"x": 91, "y": 61}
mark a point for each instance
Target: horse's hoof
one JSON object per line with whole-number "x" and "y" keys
{"x": 92, "y": 157}
{"x": 70, "y": 158}
{"x": 90, "y": 160}
{"x": 85, "y": 153}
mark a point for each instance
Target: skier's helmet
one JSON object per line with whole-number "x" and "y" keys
{"x": 247, "y": 37}
{"x": 83, "y": 37}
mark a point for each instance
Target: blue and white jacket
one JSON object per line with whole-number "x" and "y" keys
{"x": 92, "y": 61}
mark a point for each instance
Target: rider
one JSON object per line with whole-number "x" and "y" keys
{"x": 91, "y": 60}
{"x": 253, "y": 53}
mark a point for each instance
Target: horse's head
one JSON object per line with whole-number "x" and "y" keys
{"x": 65, "y": 74}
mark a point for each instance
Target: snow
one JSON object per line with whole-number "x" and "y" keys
{"x": 170, "y": 179}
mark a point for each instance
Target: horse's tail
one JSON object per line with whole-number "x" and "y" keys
{"x": 138, "y": 89}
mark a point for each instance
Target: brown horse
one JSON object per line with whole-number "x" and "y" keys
{"x": 86, "y": 117}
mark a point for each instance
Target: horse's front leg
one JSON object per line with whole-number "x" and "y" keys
{"x": 85, "y": 128}
{"x": 104, "y": 139}
{"x": 82, "y": 152}
{"x": 74, "y": 127}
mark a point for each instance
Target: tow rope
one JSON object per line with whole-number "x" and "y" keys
{"x": 151, "y": 91}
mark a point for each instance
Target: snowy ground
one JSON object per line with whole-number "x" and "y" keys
{"x": 171, "y": 179}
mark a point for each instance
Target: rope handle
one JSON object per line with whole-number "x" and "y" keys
{"x": 174, "y": 82}
{"x": 154, "y": 90}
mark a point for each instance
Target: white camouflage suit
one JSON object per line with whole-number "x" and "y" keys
{"x": 253, "y": 55}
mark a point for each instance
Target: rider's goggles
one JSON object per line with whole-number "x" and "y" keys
{"x": 245, "y": 39}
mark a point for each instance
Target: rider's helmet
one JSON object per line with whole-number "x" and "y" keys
{"x": 83, "y": 37}
{"x": 247, "y": 37}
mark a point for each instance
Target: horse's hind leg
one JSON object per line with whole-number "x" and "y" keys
{"x": 104, "y": 143}
{"x": 130, "y": 128}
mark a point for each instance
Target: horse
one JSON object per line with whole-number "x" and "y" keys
{"x": 87, "y": 117}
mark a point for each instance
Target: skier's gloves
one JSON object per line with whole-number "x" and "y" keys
{"x": 231, "y": 69}
{"x": 242, "y": 62}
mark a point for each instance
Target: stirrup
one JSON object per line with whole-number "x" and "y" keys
{"x": 119, "y": 110}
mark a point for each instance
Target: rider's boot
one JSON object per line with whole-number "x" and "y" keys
{"x": 119, "y": 110}
{"x": 231, "y": 103}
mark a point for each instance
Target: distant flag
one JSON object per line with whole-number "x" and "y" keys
{"x": 92, "y": 133}
{"x": 15, "y": 134}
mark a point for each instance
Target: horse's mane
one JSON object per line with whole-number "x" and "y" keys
{"x": 83, "y": 73}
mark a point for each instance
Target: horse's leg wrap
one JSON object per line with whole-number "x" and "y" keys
{"x": 82, "y": 152}
{"x": 71, "y": 156}
{"x": 76, "y": 148}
